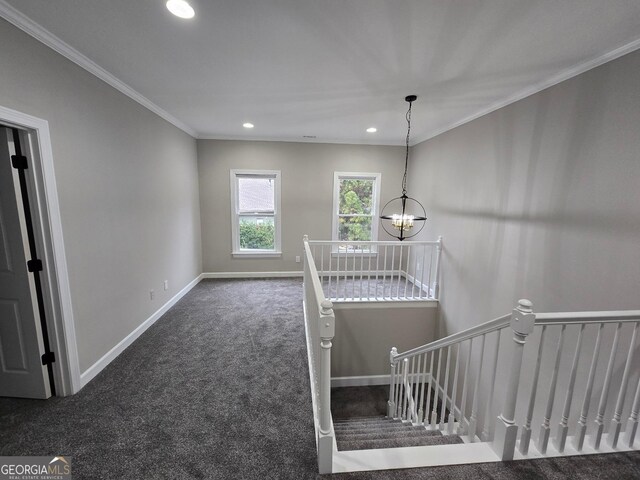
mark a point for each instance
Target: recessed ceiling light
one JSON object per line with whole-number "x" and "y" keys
{"x": 247, "y": 125}
{"x": 372, "y": 130}
{"x": 180, "y": 8}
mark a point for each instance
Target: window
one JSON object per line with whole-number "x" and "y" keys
{"x": 355, "y": 209}
{"x": 255, "y": 212}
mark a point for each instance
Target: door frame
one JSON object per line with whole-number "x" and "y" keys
{"x": 48, "y": 232}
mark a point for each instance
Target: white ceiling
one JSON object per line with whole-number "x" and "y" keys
{"x": 332, "y": 68}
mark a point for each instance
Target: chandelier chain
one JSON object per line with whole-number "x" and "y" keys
{"x": 406, "y": 157}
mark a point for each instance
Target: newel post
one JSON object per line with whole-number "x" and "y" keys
{"x": 391, "y": 405}
{"x": 436, "y": 283}
{"x": 325, "y": 441}
{"x": 522, "y": 322}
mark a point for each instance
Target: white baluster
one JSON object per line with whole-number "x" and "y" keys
{"x": 563, "y": 428}
{"x": 605, "y": 390}
{"x": 325, "y": 440}
{"x": 614, "y": 429}
{"x": 369, "y": 274}
{"x": 463, "y": 407}
{"x": 525, "y": 436}
{"x": 337, "y": 271}
{"x": 444, "y": 392}
{"x": 545, "y": 428}
{"x": 424, "y": 257}
{"x": 436, "y": 393}
{"x": 405, "y": 396}
{"x": 378, "y": 255}
{"x": 384, "y": 272}
{"x": 473, "y": 420}
{"x": 361, "y": 268}
{"x": 415, "y": 275}
{"x": 486, "y": 428}
{"x": 632, "y": 424}
{"x": 422, "y": 382}
{"x": 452, "y": 410}
{"x": 353, "y": 276}
{"x": 410, "y": 389}
{"x": 399, "y": 273}
{"x": 581, "y": 429}
{"x": 429, "y": 388}
{"x": 393, "y": 266}
{"x": 436, "y": 284}
{"x": 522, "y": 323}
{"x": 391, "y": 406}
{"x": 398, "y": 391}
{"x": 346, "y": 272}
{"x": 406, "y": 274}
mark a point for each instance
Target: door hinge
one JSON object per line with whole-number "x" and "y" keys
{"x": 19, "y": 162}
{"x": 34, "y": 265}
{"x": 48, "y": 358}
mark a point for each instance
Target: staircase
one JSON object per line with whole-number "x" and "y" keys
{"x": 365, "y": 433}
{"x": 522, "y": 386}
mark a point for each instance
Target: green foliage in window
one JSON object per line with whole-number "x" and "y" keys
{"x": 356, "y": 197}
{"x": 257, "y": 236}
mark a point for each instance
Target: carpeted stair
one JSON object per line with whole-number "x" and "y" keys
{"x": 364, "y": 433}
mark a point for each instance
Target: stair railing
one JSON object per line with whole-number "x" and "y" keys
{"x": 443, "y": 369}
{"x": 320, "y": 330}
{"x": 378, "y": 270}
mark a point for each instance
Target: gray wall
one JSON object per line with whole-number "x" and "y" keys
{"x": 364, "y": 337}
{"x": 127, "y": 185}
{"x": 307, "y": 193}
{"x": 540, "y": 200}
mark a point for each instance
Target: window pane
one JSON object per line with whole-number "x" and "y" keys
{"x": 257, "y": 233}
{"x": 354, "y": 228}
{"x": 356, "y": 196}
{"x": 256, "y": 194}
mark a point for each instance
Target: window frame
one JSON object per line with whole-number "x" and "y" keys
{"x": 234, "y": 176}
{"x": 375, "y": 203}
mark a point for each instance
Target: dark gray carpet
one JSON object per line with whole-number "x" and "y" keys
{"x": 351, "y": 402}
{"x": 218, "y": 388}
{"x": 376, "y": 432}
{"x": 368, "y": 288}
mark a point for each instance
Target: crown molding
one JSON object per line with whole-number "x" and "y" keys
{"x": 538, "y": 87}
{"x": 24, "y": 23}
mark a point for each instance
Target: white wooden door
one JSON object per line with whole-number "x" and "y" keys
{"x": 21, "y": 371}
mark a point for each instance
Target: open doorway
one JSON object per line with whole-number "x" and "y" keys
{"x": 38, "y": 352}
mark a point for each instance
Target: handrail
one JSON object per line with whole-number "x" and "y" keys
{"x": 549, "y": 318}
{"x": 565, "y": 318}
{"x": 373, "y": 242}
{"x": 487, "y": 327}
{"x": 315, "y": 278}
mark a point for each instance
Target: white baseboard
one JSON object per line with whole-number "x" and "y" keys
{"x": 252, "y": 274}
{"x": 107, "y": 358}
{"x": 359, "y": 381}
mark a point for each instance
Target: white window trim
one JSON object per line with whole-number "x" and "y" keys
{"x": 336, "y": 205}
{"x": 237, "y": 252}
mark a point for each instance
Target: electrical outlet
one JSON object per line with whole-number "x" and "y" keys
{"x": 151, "y": 294}
{"x": 297, "y": 258}
{"x": 166, "y": 284}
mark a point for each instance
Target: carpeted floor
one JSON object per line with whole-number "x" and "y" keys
{"x": 370, "y": 287}
{"x": 218, "y": 388}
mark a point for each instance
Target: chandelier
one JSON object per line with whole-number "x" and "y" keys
{"x": 403, "y": 213}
